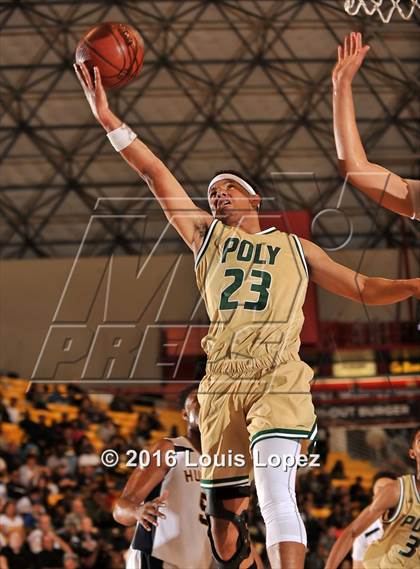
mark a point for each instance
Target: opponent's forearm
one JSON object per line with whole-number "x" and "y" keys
{"x": 348, "y": 143}
{"x": 380, "y": 184}
{"x": 387, "y": 291}
{"x": 125, "y": 512}
{"x": 340, "y": 549}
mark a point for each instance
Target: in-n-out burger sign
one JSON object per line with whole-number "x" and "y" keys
{"x": 364, "y": 411}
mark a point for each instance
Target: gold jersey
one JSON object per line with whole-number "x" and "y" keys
{"x": 399, "y": 546}
{"x": 253, "y": 286}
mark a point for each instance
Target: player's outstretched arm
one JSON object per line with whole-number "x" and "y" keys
{"x": 130, "y": 507}
{"x": 387, "y": 499}
{"x": 190, "y": 221}
{"x": 378, "y": 183}
{"x": 345, "y": 282}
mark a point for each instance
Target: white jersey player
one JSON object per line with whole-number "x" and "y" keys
{"x": 176, "y": 538}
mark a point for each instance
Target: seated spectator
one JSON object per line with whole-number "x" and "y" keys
{"x": 88, "y": 536}
{"x": 3, "y": 488}
{"x": 71, "y": 561}
{"x": 357, "y": 493}
{"x": 16, "y": 555}
{"x": 13, "y": 411}
{"x": 327, "y": 539}
{"x": 336, "y": 517}
{"x": 30, "y": 472}
{"x": 55, "y": 396}
{"x": 93, "y": 414}
{"x": 15, "y": 490}
{"x": 58, "y": 513}
{"x": 24, "y": 506}
{"x": 75, "y": 394}
{"x": 88, "y": 457}
{"x": 50, "y": 555}
{"x": 173, "y": 432}
{"x": 70, "y": 534}
{"x": 65, "y": 422}
{"x": 107, "y": 430}
{"x": 118, "y": 443}
{"x": 143, "y": 428}
{"x": 37, "y": 394}
{"x": 44, "y": 527}
{"x": 81, "y": 422}
{"x": 26, "y": 424}
{"x": 78, "y": 512}
{"x": 154, "y": 421}
{"x": 120, "y": 402}
{"x": 323, "y": 444}
{"x": 316, "y": 558}
{"x": 4, "y": 443}
{"x": 4, "y": 415}
{"x": 312, "y": 525}
{"x": 58, "y": 457}
{"x": 10, "y": 520}
{"x": 337, "y": 473}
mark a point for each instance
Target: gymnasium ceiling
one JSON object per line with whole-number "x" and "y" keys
{"x": 235, "y": 84}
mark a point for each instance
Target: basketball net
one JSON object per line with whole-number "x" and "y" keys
{"x": 384, "y": 8}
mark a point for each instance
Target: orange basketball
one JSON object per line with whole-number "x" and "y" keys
{"x": 116, "y": 49}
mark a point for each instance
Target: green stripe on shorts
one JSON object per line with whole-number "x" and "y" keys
{"x": 283, "y": 434}
{"x": 217, "y": 483}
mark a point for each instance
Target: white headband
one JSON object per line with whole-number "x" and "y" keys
{"x": 234, "y": 178}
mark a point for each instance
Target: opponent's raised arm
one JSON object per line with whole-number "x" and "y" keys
{"x": 345, "y": 282}
{"x": 387, "y": 499}
{"x": 190, "y": 221}
{"x": 378, "y": 183}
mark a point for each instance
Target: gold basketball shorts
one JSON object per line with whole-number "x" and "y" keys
{"x": 236, "y": 413}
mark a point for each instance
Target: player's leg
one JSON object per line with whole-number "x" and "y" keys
{"x": 223, "y": 435}
{"x": 281, "y": 416}
{"x": 285, "y": 531}
{"x": 228, "y": 530}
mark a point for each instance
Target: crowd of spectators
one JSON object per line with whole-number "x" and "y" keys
{"x": 55, "y": 496}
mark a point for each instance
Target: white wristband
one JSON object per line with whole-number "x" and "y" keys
{"x": 121, "y": 137}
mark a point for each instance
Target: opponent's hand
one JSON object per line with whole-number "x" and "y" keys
{"x": 350, "y": 58}
{"x": 93, "y": 90}
{"x": 149, "y": 512}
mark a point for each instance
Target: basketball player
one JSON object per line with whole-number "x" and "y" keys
{"x": 256, "y": 391}
{"x": 176, "y": 539}
{"x": 375, "y": 530}
{"x": 400, "y": 195}
{"x": 398, "y": 504}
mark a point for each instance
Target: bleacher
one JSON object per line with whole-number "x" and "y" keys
{"x": 56, "y": 412}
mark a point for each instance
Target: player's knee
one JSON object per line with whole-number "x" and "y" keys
{"x": 225, "y": 536}
{"x": 276, "y": 494}
{"x": 228, "y": 531}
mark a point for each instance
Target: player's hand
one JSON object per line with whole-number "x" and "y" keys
{"x": 350, "y": 58}
{"x": 416, "y": 288}
{"x": 149, "y": 512}
{"x": 93, "y": 90}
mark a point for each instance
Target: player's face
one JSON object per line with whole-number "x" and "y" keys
{"x": 230, "y": 202}
{"x": 192, "y": 409}
{"x": 414, "y": 451}
{"x": 379, "y": 484}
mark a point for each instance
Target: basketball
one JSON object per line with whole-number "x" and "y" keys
{"x": 116, "y": 49}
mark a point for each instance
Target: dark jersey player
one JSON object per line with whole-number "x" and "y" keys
{"x": 166, "y": 503}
